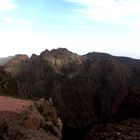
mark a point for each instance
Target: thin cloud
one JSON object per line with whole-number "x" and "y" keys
{"x": 7, "y": 5}
{"x": 112, "y": 11}
{"x": 11, "y": 20}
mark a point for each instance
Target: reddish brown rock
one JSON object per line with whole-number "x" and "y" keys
{"x": 30, "y": 123}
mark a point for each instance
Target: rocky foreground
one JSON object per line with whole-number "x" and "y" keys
{"x": 12, "y": 104}
{"x": 26, "y": 120}
{"x": 125, "y": 130}
{"x": 38, "y": 120}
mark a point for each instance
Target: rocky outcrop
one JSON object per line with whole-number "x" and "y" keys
{"x": 60, "y": 57}
{"x": 37, "y": 122}
{"x": 126, "y": 130}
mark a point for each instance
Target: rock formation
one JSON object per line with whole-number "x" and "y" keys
{"x": 39, "y": 121}
{"x": 86, "y": 90}
{"x": 126, "y": 130}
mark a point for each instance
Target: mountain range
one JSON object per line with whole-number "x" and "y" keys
{"x": 88, "y": 91}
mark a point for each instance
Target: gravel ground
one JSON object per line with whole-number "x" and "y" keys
{"x": 12, "y": 104}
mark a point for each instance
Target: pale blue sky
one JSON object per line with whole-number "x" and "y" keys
{"x": 82, "y": 26}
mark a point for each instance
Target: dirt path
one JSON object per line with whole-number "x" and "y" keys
{"x": 12, "y": 104}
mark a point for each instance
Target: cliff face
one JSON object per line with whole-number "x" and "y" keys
{"x": 60, "y": 57}
{"x": 8, "y": 85}
{"x": 86, "y": 90}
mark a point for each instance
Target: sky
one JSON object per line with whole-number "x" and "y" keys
{"x": 82, "y": 26}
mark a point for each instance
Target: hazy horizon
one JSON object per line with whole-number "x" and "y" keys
{"x": 81, "y": 26}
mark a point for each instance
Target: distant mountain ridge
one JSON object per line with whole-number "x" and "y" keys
{"x": 60, "y": 51}
{"x": 121, "y": 59}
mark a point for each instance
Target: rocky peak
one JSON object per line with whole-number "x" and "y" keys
{"x": 17, "y": 59}
{"x": 21, "y": 56}
{"x": 33, "y": 57}
{"x": 13, "y": 64}
{"x": 56, "y": 53}
{"x": 46, "y": 51}
{"x": 60, "y": 56}
{"x": 45, "y": 55}
{"x": 60, "y": 51}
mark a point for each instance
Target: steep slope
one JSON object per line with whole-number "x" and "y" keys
{"x": 8, "y": 85}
